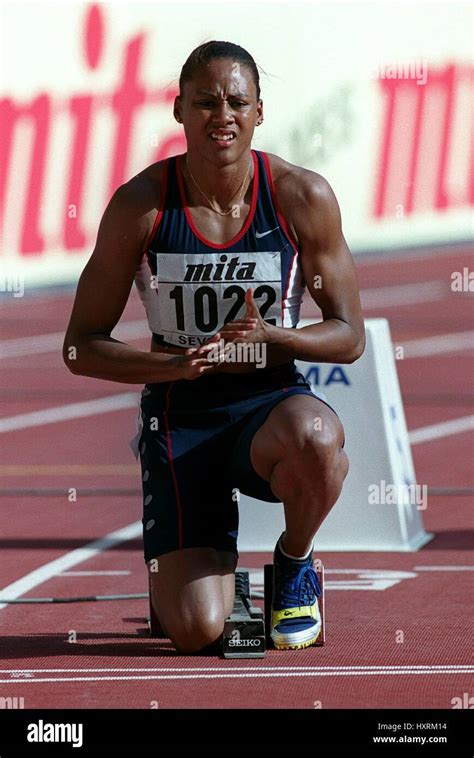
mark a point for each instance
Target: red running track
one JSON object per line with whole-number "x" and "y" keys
{"x": 397, "y": 623}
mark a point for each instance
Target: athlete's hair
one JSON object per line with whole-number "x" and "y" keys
{"x": 210, "y": 51}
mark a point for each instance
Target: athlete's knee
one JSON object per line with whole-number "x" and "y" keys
{"x": 316, "y": 445}
{"x": 316, "y": 460}
{"x": 197, "y": 632}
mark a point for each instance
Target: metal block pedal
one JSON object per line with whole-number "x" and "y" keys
{"x": 244, "y": 630}
{"x": 268, "y": 594}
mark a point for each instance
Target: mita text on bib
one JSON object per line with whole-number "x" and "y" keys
{"x": 200, "y": 292}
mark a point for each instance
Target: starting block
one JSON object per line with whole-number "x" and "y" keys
{"x": 268, "y": 592}
{"x": 244, "y": 630}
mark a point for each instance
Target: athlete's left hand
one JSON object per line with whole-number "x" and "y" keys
{"x": 257, "y": 329}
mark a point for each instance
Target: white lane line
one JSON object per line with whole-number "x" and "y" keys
{"x": 42, "y": 343}
{"x": 403, "y": 294}
{"x": 263, "y": 673}
{"x": 127, "y": 400}
{"x": 136, "y": 330}
{"x": 172, "y": 669}
{"x": 94, "y": 573}
{"x": 53, "y": 342}
{"x": 437, "y": 345}
{"x": 444, "y": 568}
{"x": 443, "y": 429}
{"x": 69, "y": 411}
{"x": 68, "y": 560}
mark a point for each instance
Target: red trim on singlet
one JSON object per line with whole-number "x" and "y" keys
{"x": 251, "y": 213}
{"x": 159, "y": 213}
{"x": 278, "y": 210}
{"x": 172, "y": 469}
{"x": 285, "y": 228}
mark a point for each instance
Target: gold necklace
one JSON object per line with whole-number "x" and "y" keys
{"x": 211, "y": 202}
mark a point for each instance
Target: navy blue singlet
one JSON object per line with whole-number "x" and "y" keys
{"x": 190, "y": 286}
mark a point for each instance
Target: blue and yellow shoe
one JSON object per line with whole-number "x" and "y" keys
{"x": 296, "y": 621}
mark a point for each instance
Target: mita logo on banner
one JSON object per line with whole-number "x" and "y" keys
{"x": 78, "y": 119}
{"x": 41, "y": 732}
{"x": 425, "y": 155}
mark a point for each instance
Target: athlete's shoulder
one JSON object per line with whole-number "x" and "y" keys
{"x": 135, "y": 203}
{"x": 143, "y": 191}
{"x": 295, "y": 185}
{"x": 306, "y": 199}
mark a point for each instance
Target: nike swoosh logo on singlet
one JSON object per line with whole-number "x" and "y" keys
{"x": 264, "y": 234}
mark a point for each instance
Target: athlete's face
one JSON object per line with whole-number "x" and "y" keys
{"x": 219, "y": 111}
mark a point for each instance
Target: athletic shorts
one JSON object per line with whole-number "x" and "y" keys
{"x": 194, "y": 445}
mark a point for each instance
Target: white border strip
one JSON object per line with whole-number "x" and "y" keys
{"x": 263, "y": 673}
{"x": 51, "y": 569}
{"x": 69, "y": 411}
{"x": 171, "y": 669}
{"x": 443, "y": 429}
{"x": 437, "y": 345}
{"x": 398, "y": 295}
{"x": 53, "y": 342}
{"x": 443, "y": 568}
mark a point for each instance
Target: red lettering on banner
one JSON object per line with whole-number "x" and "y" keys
{"x": 38, "y": 112}
{"x": 420, "y": 136}
{"x": 124, "y": 103}
{"x": 129, "y": 96}
{"x": 93, "y": 36}
{"x": 81, "y": 110}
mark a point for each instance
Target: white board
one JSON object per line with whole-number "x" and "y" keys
{"x": 366, "y": 396}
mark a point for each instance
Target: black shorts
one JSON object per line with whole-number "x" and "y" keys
{"x": 195, "y": 455}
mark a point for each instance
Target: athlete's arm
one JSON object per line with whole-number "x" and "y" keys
{"x": 312, "y": 212}
{"x": 102, "y": 293}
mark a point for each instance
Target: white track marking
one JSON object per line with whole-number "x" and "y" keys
{"x": 71, "y": 469}
{"x": 374, "y": 298}
{"x": 437, "y": 345}
{"x": 163, "y": 669}
{"x": 94, "y": 573}
{"x": 51, "y": 569}
{"x": 403, "y": 294}
{"x": 444, "y": 568}
{"x": 240, "y": 672}
{"x": 58, "y": 566}
{"x": 108, "y": 404}
{"x": 443, "y": 429}
{"x": 366, "y": 579}
{"x": 127, "y": 400}
{"x": 137, "y": 330}
{"x": 53, "y": 342}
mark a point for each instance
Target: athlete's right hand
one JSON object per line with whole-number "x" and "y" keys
{"x": 194, "y": 363}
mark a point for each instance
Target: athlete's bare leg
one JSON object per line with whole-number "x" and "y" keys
{"x": 192, "y": 595}
{"x": 298, "y": 450}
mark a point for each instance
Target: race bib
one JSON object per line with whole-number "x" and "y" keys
{"x": 200, "y": 292}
